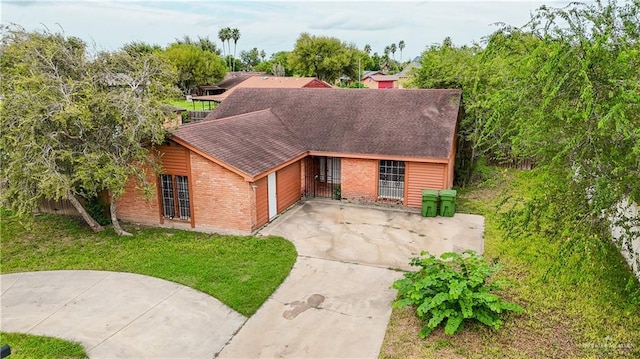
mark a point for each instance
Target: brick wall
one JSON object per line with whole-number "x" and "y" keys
{"x": 133, "y": 207}
{"x": 359, "y": 179}
{"x": 223, "y": 201}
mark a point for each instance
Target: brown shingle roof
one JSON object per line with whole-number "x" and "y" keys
{"x": 252, "y": 143}
{"x": 403, "y": 123}
{"x": 266, "y": 82}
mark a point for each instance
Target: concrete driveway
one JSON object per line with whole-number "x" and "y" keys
{"x": 336, "y": 302}
{"x": 117, "y": 315}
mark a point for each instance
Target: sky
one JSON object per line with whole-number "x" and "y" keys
{"x": 273, "y": 25}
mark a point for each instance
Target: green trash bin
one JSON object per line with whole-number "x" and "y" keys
{"x": 447, "y": 202}
{"x": 429, "y": 203}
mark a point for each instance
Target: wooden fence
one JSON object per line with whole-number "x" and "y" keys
{"x": 63, "y": 206}
{"x": 526, "y": 165}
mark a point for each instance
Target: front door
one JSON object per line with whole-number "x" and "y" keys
{"x": 273, "y": 201}
{"x": 322, "y": 177}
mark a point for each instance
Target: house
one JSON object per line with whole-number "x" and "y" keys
{"x": 262, "y": 150}
{"x": 208, "y": 90}
{"x": 262, "y": 82}
{"x": 379, "y": 81}
{"x": 369, "y": 73}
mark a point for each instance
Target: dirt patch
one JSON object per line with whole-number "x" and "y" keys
{"x": 518, "y": 338}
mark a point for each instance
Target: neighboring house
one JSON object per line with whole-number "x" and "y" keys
{"x": 378, "y": 81}
{"x": 262, "y": 82}
{"x": 407, "y": 73}
{"x": 409, "y": 70}
{"x": 371, "y": 73}
{"x": 207, "y": 90}
{"x": 262, "y": 150}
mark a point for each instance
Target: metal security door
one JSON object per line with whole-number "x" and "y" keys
{"x": 322, "y": 177}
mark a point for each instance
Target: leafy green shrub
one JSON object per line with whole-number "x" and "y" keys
{"x": 453, "y": 287}
{"x": 337, "y": 192}
{"x": 97, "y": 210}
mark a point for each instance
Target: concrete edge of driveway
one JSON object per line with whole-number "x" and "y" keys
{"x": 117, "y": 315}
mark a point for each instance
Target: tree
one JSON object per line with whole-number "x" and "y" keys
{"x": 375, "y": 59}
{"x": 250, "y": 58}
{"x": 194, "y": 66}
{"x": 367, "y": 49}
{"x": 207, "y": 45}
{"x": 203, "y": 43}
{"x": 393, "y": 49}
{"x": 235, "y": 35}
{"x": 401, "y": 47}
{"x": 325, "y": 57}
{"x": 580, "y": 118}
{"x": 281, "y": 58}
{"x": 140, "y": 48}
{"x": 224, "y": 35}
{"x": 263, "y": 54}
{"x": 563, "y": 91}
{"x": 277, "y": 65}
{"x": 76, "y": 124}
{"x": 480, "y": 74}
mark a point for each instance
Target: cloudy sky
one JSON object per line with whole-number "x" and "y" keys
{"x": 273, "y": 25}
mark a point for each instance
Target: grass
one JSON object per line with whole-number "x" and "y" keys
{"x": 576, "y": 306}
{"x": 26, "y": 346}
{"x": 241, "y": 271}
{"x": 189, "y": 105}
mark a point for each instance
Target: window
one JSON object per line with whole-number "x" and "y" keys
{"x": 175, "y": 206}
{"x": 391, "y": 180}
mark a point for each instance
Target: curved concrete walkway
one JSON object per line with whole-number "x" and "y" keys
{"x": 117, "y": 315}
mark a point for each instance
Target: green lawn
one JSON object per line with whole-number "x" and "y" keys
{"x": 25, "y": 346}
{"x": 240, "y": 271}
{"x": 192, "y": 106}
{"x": 583, "y": 303}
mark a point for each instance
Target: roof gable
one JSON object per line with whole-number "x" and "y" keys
{"x": 252, "y": 143}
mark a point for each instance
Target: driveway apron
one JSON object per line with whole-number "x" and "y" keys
{"x": 117, "y": 315}
{"x": 336, "y": 302}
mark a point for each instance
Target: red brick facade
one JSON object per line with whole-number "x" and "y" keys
{"x": 223, "y": 201}
{"x": 133, "y": 206}
{"x": 359, "y": 179}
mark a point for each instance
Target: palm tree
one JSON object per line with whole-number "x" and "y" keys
{"x": 393, "y": 50}
{"x": 235, "y": 35}
{"x": 228, "y": 32}
{"x": 263, "y": 54}
{"x": 223, "y": 35}
{"x": 367, "y": 49}
{"x": 401, "y": 47}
